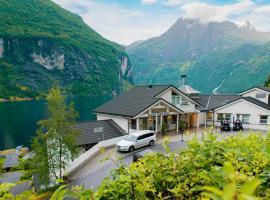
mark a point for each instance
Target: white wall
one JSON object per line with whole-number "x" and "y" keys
{"x": 167, "y": 96}
{"x": 201, "y": 118}
{"x": 253, "y": 93}
{"x": 121, "y": 121}
{"x": 244, "y": 107}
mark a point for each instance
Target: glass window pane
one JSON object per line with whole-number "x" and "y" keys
{"x": 245, "y": 119}
{"x": 263, "y": 119}
{"x": 260, "y": 95}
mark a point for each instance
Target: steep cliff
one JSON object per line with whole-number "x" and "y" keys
{"x": 42, "y": 45}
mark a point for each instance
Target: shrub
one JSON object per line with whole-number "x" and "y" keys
{"x": 185, "y": 175}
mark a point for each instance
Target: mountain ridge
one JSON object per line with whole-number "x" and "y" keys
{"x": 163, "y": 59}
{"x": 52, "y": 46}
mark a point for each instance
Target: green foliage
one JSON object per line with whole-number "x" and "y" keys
{"x": 209, "y": 166}
{"x": 2, "y": 160}
{"x": 4, "y": 190}
{"x": 267, "y": 82}
{"x": 207, "y": 54}
{"x": 92, "y": 64}
{"x": 74, "y": 193}
{"x": 54, "y": 144}
{"x": 239, "y": 187}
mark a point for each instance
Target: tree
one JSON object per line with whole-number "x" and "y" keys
{"x": 267, "y": 82}
{"x": 54, "y": 144}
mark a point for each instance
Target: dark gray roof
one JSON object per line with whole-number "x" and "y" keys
{"x": 133, "y": 101}
{"x": 89, "y": 133}
{"x": 210, "y": 102}
{"x": 267, "y": 89}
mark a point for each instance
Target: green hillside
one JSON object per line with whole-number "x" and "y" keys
{"x": 236, "y": 70}
{"x": 42, "y": 44}
{"x": 207, "y": 53}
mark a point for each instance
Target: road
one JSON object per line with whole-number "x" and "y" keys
{"x": 94, "y": 179}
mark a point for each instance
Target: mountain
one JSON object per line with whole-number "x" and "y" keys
{"x": 42, "y": 45}
{"x": 206, "y": 52}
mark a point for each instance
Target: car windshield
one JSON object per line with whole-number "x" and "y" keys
{"x": 131, "y": 138}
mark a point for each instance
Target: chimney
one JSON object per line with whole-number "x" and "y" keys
{"x": 183, "y": 77}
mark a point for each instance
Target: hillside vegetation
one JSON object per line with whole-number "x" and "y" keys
{"x": 207, "y": 53}
{"x": 45, "y": 45}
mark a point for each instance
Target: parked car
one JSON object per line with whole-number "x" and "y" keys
{"x": 137, "y": 140}
{"x": 225, "y": 125}
{"x": 237, "y": 125}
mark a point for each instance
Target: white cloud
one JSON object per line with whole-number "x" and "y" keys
{"x": 149, "y": 2}
{"x": 206, "y": 12}
{"x": 126, "y": 25}
{"x": 174, "y": 2}
{"x": 239, "y": 12}
{"x": 117, "y": 23}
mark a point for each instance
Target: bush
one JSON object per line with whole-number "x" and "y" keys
{"x": 185, "y": 175}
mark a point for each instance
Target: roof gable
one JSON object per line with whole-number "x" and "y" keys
{"x": 260, "y": 88}
{"x": 180, "y": 92}
{"x": 133, "y": 101}
{"x": 251, "y": 100}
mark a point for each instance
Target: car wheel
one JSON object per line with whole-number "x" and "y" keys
{"x": 131, "y": 148}
{"x": 152, "y": 142}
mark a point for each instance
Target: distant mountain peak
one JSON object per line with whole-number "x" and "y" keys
{"x": 191, "y": 46}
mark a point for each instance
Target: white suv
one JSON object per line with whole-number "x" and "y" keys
{"x": 136, "y": 140}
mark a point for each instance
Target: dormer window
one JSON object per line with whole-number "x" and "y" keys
{"x": 178, "y": 100}
{"x": 260, "y": 96}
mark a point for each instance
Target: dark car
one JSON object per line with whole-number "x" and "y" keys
{"x": 225, "y": 125}
{"x": 237, "y": 125}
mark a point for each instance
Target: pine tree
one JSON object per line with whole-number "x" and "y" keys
{"x": 267, "y": 82}
{"x": 54, "y": 144}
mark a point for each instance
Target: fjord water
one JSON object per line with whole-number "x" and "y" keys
{"x": 18, "y": 120}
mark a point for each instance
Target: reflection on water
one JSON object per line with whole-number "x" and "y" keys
{"x": 18, "y": 120}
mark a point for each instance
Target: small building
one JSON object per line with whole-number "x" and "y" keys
{"x": 148, "y": 107}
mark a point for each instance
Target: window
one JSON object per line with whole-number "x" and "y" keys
{"x": 184, "y": 101}
{"x": 224, "y": 116}
{"x": 220, "y": 117}
{"x": 263, "y": 119}
{"x": 260, "y": 95}
{"x": 245, "y": 119}
{"x": 228, "y": 116}
{"x": 98, "y": 129}
{"x": 175, "y": 100}
{"x": 209, "y": 116}
{"x": 238, "y": 116}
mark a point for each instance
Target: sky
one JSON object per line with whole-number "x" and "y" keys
{"x": 127, "y": 21}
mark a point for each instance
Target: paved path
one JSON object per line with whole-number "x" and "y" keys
{"x": 10, "y": 177}
{"x": 92, "y": 178}
{"x": 21, "y": 187}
